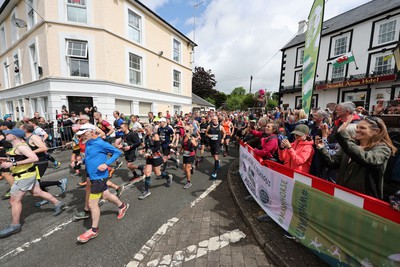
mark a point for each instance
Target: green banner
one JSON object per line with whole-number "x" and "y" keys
{"x": 311, "y": 51}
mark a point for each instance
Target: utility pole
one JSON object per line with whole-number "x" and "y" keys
{"x": 251, "y": 81}
{"x": 194, "y": 25}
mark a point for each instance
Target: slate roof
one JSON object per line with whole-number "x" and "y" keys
{"x": 200, "y": 101}
{"x": 354, "y": 16}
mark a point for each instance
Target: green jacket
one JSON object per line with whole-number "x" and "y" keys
{"x": 360, "y": 170}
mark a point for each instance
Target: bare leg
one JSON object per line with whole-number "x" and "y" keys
{"x": 16, "y": 206}
{"x": 95, "y": 211}
{"x": 37, "y": 192}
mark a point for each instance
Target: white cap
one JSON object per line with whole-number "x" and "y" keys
{"x": 162, "y": 120}
{"x": 86, "y": 127}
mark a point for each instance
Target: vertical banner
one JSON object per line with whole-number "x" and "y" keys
{"x": 396, "y": 53}
{"x": 311, "y": 51}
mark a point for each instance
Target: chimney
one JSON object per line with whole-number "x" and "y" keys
{"x": 302, "y": 27}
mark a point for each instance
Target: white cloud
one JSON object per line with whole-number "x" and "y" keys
{"x": 154, "y": 4}
{"x": 237, "y": 38}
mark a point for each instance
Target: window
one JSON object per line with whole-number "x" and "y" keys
{"x": 300, "y": 56}
{"x": 144, "y": 108}
{"x": 17, "y": 73}
{"x": 387, "y": 32}
{"x": 34, "y": 63}
{"x": 134, "y": 26}
{"x": 76, "y": 11}
{"x": 299, "y": 78}
{"x": 78, "y": 59}
{"x": 338, "y": 72}
{"x": 30, "y": 14}
{"x": 135, "y": 69}
{"x": 383, "y": 64}
{"x": 177, "y": 50}
{"x": 14, "y": 30}
{"x": 3, "y": 43}
{"x": 177, "y": 82}
{"x": 340, "y": 46}
{"x": 6, "y": 76}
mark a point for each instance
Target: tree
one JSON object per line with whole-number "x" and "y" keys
{"x": 203, "y": 82}
{"x": 247, "y": 101}
{"x": 234, "y": 102}
{"x": 239, "y": 91}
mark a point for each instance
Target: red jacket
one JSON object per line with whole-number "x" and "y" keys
{"x": 269, "y": 146}
{"x": 299, "y": 156}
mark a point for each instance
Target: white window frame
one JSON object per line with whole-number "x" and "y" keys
{"x": 82, "y": 57}
{"x": 178, "y": 51}
{"x": 334, "y": 73}
{"x": 136, "y": 71}
{"x": 377, "y": 27}
{"x": 16, "y": 64}
{"x": 177, "y": 90}
{"x": 300, "y": 57}
{"x": 130, "y": 50}
{"x": 130, "y": 8}
{"x": 14, "y": 29}
{"x": 10, "y": 108}
{"x": 77, "y": 6}
{"x": 333, "y": 44}
{"x": 135, "y": 28}
{"x": 299, "y": 78}
{"x": 30, "y": 14}
{"x": 377, "y": 57}
{"x": 3, "y": 38}
{"x": 34, "y": 60}
{"x": 6, "y": 74}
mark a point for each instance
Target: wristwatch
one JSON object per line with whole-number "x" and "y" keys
{"x": 14, "y": 163}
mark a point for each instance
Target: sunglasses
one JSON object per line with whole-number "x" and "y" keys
{"x": 374, "y": 120}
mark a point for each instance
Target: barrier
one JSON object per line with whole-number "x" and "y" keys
{"x": 343, "y": 227}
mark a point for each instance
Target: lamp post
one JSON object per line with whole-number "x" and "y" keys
{"x": 194, "y": 25}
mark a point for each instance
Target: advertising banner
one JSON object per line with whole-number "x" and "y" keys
{"x": 340, "y": 233}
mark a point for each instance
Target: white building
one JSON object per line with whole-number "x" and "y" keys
{"x": 116, "y": 55}
{"x": 371, "y": 31}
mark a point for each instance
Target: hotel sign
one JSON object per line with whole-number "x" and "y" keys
{"x": 357, "y": 82}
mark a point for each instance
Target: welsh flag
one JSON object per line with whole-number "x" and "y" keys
{"x": 342, "y": 60}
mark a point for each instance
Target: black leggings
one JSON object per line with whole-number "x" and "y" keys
{"x": 42, "y": 166}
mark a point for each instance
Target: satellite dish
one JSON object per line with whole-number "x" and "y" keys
{"x": 18, "y": 23}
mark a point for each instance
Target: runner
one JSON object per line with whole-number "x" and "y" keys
{"x": 129, "y": 143}
{"x": 203, "y": 138}
{"x": 104, "y": 125}
{"x": 216, "y": 133}
{"x": 228, "y": 127}
{"x": 188, "y": 151}
{"x": 165, "y": 132}
{"x": 118, "y": 133}
{"x": 153, "y": 156}
{"x": 97, "y": 163}
{"x": 21, "y": 163}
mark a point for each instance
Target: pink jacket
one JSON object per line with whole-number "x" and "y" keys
{"x": 298, "y": 157}
{"x": 269, "y": 146}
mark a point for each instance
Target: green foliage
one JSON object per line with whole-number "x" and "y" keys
{"x": 234, "y": 102}
{"x": 239, "y": 91}
{"x": 203, "y": 83}
{"x": 220, "y": 99}
{"x": 272, "y": 103}
{"x": 247, "y": 101}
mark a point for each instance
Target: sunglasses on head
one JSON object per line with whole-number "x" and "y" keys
{"x": 373, "y": 120}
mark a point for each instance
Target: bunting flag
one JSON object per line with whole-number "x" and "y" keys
{"x": 311, "y": 52}
{"x": 386, "y": 58}
{"x": 343, "y": 60}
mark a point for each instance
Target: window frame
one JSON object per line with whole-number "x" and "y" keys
{"x": 6, "y": 75}
{"x": 77, "y": 6}
{"x": 14, "y": 29}
{"x": 374, "y": 59}
{"x": 30, "y": 19}
{"x": 332, "y": 44}
{"x": 140, "y": 71}
{"x": 299, "y": 55}
{"x": 34, "y": 61}
{"x": 80, "y": 58}
{"x": 179, "y": 51}
{"x": 177, "y": 90}
{"x": 16, "y": 64}
{"x": 298, "y": 76}
{"x": 3, "y": 37}
{"x": 331, "y": 72}
{"x": 138, "y": 29}
{"x": 374, "y": 43}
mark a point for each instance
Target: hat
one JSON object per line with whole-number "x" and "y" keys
{"x": 9, "y": 124}
{"x": 6, "y": 116}
{"x": 17, "y": 132}
{"x": 86, "y": 127}
{"x": 301, "y": 130}
{"x": 162, "y": 120}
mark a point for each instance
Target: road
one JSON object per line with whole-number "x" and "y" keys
{"x": 51, "y": 241}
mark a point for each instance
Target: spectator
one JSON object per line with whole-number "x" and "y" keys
{"x": 269, "y": 142}
{"x": 362, "y": 164}
{"x": 65, "y": 125}
{"x": 342, "y": 110}
{"x": 297, "y": 155}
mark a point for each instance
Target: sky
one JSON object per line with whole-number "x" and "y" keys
{"x": 237, "y": 39}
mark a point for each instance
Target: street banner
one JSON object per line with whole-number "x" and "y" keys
{"x": 343, "y": 60}
{"x": 333, "y": 222}
{"x": 396, "y": 53}
{"x": 311, "y": 51}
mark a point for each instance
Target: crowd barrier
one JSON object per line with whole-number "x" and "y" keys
{"x": 58, "y": 136}
{"x": 341, "y": 226}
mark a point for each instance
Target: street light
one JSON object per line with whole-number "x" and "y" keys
{"x": 194, "y": 25}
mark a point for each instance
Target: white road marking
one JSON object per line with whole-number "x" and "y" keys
{"x": 27, "y": 244}
{"x": 205, "y": 193}
{"x": 194, "y": 251}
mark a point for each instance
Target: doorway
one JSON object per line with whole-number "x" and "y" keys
{"x": 79, "y": 103}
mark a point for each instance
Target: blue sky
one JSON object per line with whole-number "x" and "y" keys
{"x": 237, "y": 39}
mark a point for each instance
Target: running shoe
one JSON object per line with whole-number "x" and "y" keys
{"x": 63, "y": 185}
{"x": 41, "y": 203}
{"x": 101, "y": 202}
{"x": 81, "y": 184}
{"x": 144, "y": 195}
{"x": 119, "y": 191}
{"x": 169, "y": 180}
{"x": 12, "y": 229}
{"x": 118, "y": 165}
{"x": 80, "y": 215}
{"x": 187, "y": 185}
{"x": 58, "y": 208}
{"x": 56, "y": 164}
{"x": 86, "y": 236}
{"x": 177, "y": 163}
{"x": 225, "y": 154}
{"x": 6, "y": 196}
{"x": 214, "y": 176}
{"x": 121, "y": 212}
{"x": 111, "y": 172}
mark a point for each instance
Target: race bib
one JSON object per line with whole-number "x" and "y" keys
{"x": 214, "y": 137}
{"x": 186, "y": 153}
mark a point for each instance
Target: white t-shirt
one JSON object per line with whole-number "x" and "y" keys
{"x": 135, "y": 127}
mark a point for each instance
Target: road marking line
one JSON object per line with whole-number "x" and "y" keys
{"x": 26, "y": 245}
{"x": 205, "y": 193}
{"x": 194, "y": 251}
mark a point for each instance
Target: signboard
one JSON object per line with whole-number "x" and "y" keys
{"x": 357, "y": 82}
{"x": 336, "y": 227}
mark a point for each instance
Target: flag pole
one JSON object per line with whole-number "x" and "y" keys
{"x": 355, "y": 62}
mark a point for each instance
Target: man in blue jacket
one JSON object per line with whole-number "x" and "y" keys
{"x": 97, "y": 162}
